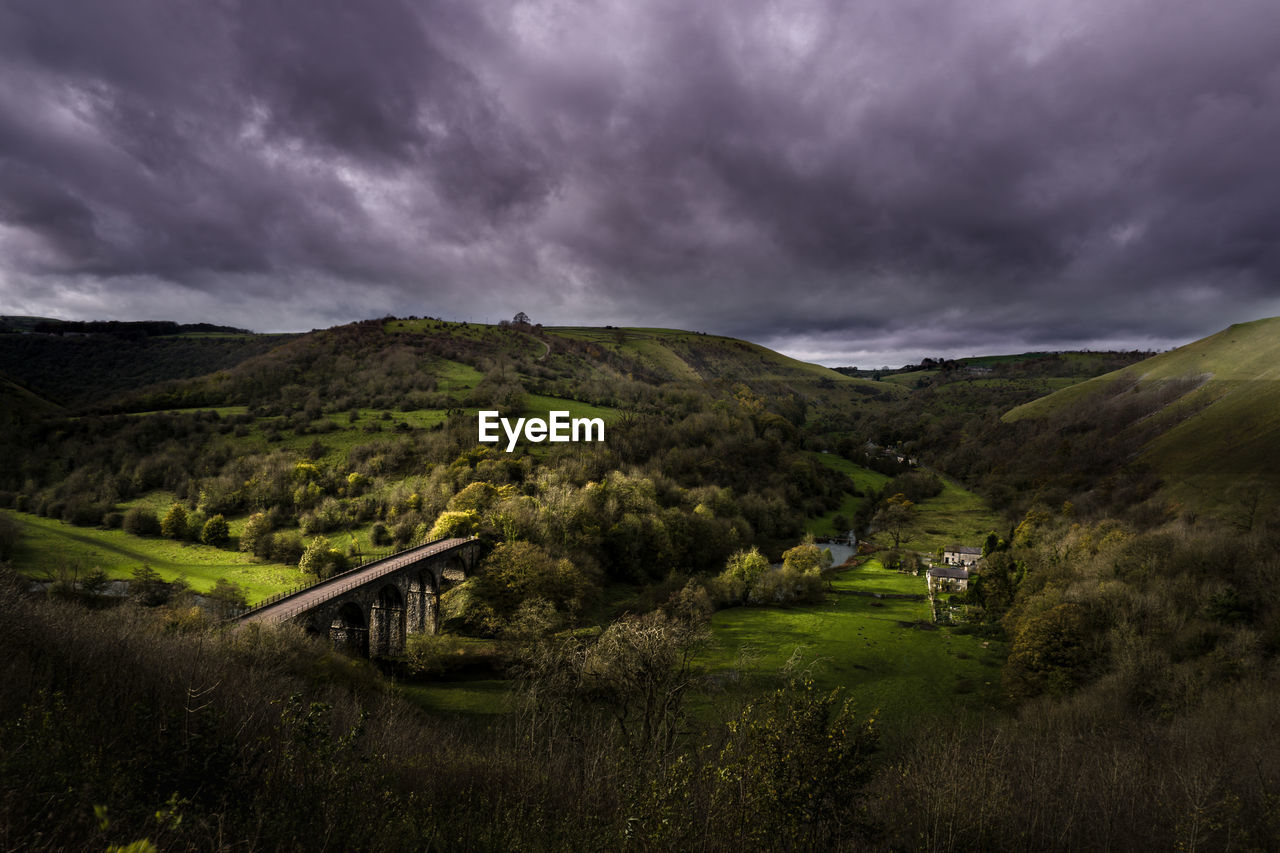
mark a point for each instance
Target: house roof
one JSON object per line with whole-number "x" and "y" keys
{"x": 949, "y": 572}
{"x": 965, "y": 549}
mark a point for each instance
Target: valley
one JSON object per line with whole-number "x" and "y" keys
{"x": 651, "y": 613}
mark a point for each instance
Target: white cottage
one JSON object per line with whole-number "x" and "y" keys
{"x": 948, "y": 579}
{"x": 963, "y": 556}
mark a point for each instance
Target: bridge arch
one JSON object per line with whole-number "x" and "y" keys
{"x": 349, "y": 631}
{"x": 371, "y": 609}
{"x": 387, "y": 623}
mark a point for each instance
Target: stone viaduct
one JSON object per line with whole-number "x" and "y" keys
{"x": 369, "y": 610}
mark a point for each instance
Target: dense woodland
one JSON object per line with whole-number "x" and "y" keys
{"x": 1140, "y": 695}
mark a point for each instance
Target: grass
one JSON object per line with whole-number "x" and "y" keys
{"x": 955, "y": 517}
{"x": 49, "y": 546}
{"x": 222, "y": 411}
{"x": 872, "y": 647}
{"x": 462, "y": 695}
{"x": 863, "y": 480}
{"x": 1224, "y": 429}
{"x": 541, "y": 405}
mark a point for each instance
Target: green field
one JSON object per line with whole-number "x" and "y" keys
{"x": 864, "y": 480}
{"x": 540, "y": 405}
{"x": 876, "y": 648}
{"x": 50, "y": 546}
{"x": 955, "y": 517}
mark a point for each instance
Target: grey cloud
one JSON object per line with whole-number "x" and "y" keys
{"x": 841, "y": 178}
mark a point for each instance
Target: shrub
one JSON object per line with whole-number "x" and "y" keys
{"x": 140, "y": 522}
{"x": 286, "y": 547}
{"x": 82, "y": 513}
{"x": 10, "y": 534}
{"x": 174, "y": 523}
{"x": 255, "y": 536}
{"x": 227, "y": 598}
{"x": 215, "y": 531}
{"x": 321, "y": 559}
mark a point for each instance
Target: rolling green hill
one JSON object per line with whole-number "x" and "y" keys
{"x": 1207, "y": 414}
{"x": 424, "y": 363}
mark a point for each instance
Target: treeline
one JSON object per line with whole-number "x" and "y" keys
{"x": 133, "y": 329}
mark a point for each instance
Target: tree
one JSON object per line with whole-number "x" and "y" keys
{"x": 174, "y": 523}
{"x": 147, "y": 587}
{"x": 805, "y": 557}
{"x": 519, "y": 572}
{"x": 255, "y": 536}
{"x": 521, "y": 319}
{"x": 895, "y": 517}
{"x": 322, "y": 559}
{"x": 741, "y": 571}
{"x": 215, "y": 531}
{"x": 454, "y": 523}
{"x": 1049, "y": 654}
{"x": 228, "y": 598}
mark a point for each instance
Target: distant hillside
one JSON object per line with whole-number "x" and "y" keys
{"x": 79, "y": 364}
{"x": 1207, "y": 414}
{"x": 117, "y": 328}
{"x": 426, "y": 363}
{"x": 16, "y": 402}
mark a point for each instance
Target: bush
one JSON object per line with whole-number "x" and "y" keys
{"x": 454, "y": 523}
{"x": 10, "y": 534}
{"x": 140, "y": 522}
{"x": 286, "y": 547}
{"x": 379, "y": 535}
{"x": 322, "y": 559}
{"x": 227, "y": 598}
{"x": 83, "y": 514}
{"x": 216, "y": 531}
{"x": 255, "y": 536}
{"x": 174, "y": 524}
{"x": 113, "y": 520}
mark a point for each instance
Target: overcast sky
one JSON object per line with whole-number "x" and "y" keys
{"x": 850, "y": 182}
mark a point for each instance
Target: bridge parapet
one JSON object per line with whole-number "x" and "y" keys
{"x": 371, "y": 608}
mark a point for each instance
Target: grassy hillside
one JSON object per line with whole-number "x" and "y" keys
{"x": 15, "y": 399}
{"x": 696, "y": 356}
{"x": 1208, "y": 413}
{"x": 50, "y": 547}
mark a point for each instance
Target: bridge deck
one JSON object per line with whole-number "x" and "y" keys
{"x": 313, "y": 596}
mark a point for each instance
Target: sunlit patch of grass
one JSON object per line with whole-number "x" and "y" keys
{"x": 883, "y": 651}
{"x": 50, "y": 546}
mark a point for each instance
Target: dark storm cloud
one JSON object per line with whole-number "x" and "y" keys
{"x": 852, "y": 182}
